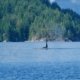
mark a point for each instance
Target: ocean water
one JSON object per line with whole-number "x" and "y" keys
{"x": 28, "y": 61}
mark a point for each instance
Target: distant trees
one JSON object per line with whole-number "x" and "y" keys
{"x": 22, "y": 20}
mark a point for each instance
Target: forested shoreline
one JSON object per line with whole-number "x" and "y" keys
{"x": 22, "y": 20}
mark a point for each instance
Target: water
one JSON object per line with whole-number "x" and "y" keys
{"x": 28, "y": 61}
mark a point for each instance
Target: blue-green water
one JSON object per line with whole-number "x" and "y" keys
{"x": 28, "y": 61}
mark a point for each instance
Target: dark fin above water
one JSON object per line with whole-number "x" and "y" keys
{"x": 46, "y": 47}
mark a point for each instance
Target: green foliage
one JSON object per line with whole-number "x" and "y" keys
{"x": 22, "y": 20}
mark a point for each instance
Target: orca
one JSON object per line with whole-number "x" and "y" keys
{"x": 46, "y": 47}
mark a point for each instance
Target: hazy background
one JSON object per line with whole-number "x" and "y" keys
{"x": 72, "y": 4}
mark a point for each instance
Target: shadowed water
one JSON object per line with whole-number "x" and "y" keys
{"x": 28, "y": 61}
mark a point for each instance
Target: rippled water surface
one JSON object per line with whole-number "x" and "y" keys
{"x": 28, "y": 61}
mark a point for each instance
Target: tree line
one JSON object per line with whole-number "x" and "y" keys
{"x": 22, "y": 20}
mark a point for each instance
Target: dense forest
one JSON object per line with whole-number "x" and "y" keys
{"x": 22, "y": 20}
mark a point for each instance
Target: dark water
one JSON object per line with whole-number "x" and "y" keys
{"x": 66, "y": 71}
{"x": 28, "y": 61}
